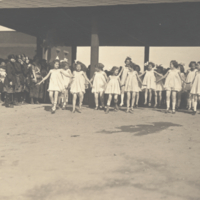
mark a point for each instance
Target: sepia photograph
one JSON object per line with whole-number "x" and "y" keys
{"x": 99, "y": 99}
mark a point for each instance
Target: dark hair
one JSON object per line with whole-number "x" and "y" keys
{"x": 175, "y": 63}
{"x": 100, "y": 66}
{"x": 63, "y": 64}
{"x": 161, "y": 68}
{"x": 55, "y": 61}
{"x": 128, "y": 58}
{"x": 131, "y": 65}
{"x": 191, "y": 63}
{"x": 113, "y": 69}
{"x": 137, "y": 67}
{"x": 198, "y": 62}
{"x": 182, "y": 70}
{"x": 11, "y": 56}
{"x": 152, "y": 64}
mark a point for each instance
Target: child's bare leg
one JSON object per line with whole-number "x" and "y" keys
{"x": 102, "y": 99}
{"x": 137, "y": 98}
{"x": 128, "y": 101}
{"x": 150, "y": 96}
{"x": 122, "y": 96}
{"x": 133, "y": 99}
{"x": 160, "y": 97}
{"x": 108, "y": 103}
{"x": 96, "y": 96}
{"x": 74, "y": 102}
{"x": 156, "y": 99}
{"x": 189, "y": 101}
{"x": 195, "y": 103}
{"x": 51, "y": 97}
{"x": 116, "y": 101}
{"x": 80, "y": 99}
{"x": 145, "y": 96}
{"x": 56, "y": 93}
{"x": 174, "y": 101}
{"x": 179, "y": 100}
{"x": 168, "y": 94}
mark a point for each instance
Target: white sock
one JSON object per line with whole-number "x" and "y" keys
{"x": 189, "y": 103}
{"x": 173, "y": 106}
{"x": 195, "y": 105}
{"x": 192, "y": 103}
{"x": 168, "y": 104}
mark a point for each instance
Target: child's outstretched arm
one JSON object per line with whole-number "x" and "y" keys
{"x": 184, "y": 80}
{"x": 158, "y": 74}
{"x": 66, "y": 74}
{"x": 92, "y": 79}
{"x": 45, "y": 78}
{"x": 124, "y": 81}
{"x": 86, "y": 78}
{"x": 163, "y": 77}
{"x": 106, "y": 77}
{"x": 142, "y": 74}
{"x": 139, "y": 79}
{"x": 120, "y": 73}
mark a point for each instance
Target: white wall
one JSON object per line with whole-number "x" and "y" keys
{"x": 112, "y": 56}
{"x": 3, "y": 28}
{"x": 163, "y": 55}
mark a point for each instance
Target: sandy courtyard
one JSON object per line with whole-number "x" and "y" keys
{"x": 148, "y": 155}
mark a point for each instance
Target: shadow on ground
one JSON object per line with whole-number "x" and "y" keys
{"x": 143, "y": 129}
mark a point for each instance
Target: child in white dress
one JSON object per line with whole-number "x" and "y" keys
{"x": 113, "y": 88}
{"x": 149, "y": 82}
{"x": 123, "y": 77}
{"x": 159, "y": 87}
{"x": 131, "y": 86}
{"x": 190, "y": 78}
{"x": 179, "y": 93}
{"x": 137, "y": 69}
{"x": 195, "y": 90}
{"x": 173, "y": 84}
{"x": 67, "y": 79}
{"x": 78, "y": 86}
{"x": 56, "y": 84}
{"x": 99, "y": 80}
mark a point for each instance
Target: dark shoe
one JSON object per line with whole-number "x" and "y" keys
{"x": 107, "y": 110}
{"x": 194, "y": 113}
{"x": 116, "y": 105}
{"x": 167, "y": 111}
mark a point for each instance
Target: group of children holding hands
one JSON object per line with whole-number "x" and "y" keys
{"x": 127, "y": 79}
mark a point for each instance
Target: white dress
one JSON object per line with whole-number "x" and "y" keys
{"x": 132, "y": 84}
{"x": 78, "y": 83}
{"x": 56, "y": 81}
{"x": 183, "y": 85}
{"x": 66, "y": 80}
{"x": 124, "y": 75}
{"x": 149, "y": 81}
{"x": 173, "y": 81}
{"x": 159, "y": 85}
{"x": 196, "y": 85}
{"x": 190, "y": 79}
{"x": 113, "y": 86}
{"x": 99, "y": 83}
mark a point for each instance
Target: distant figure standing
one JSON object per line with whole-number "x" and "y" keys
{"x": 10, "y": 81}
{"x": 195, "y": 90}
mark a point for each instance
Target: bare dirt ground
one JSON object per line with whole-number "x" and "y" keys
{"x": 148, "y": 155}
